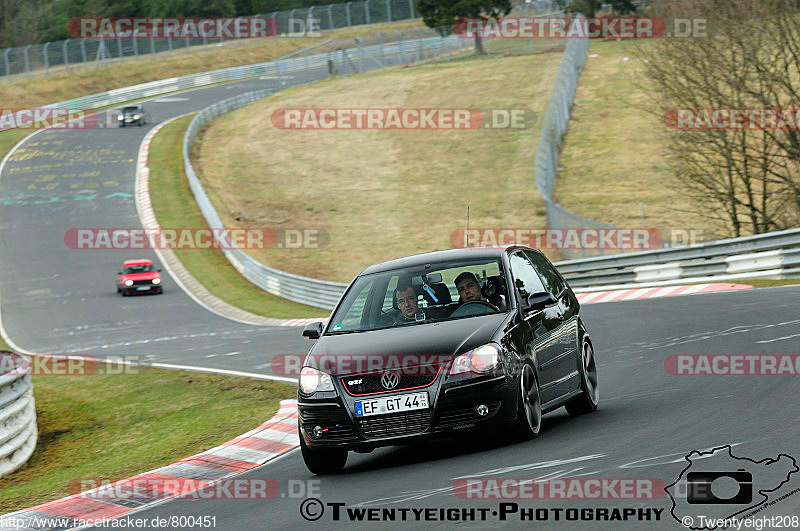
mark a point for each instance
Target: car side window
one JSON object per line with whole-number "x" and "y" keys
{"x": 355, "y": 314}
{"x": 551, "y": 280}
{"x": 526, "y": 279}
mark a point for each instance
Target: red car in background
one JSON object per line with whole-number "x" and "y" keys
{"x": 138, "y": 276}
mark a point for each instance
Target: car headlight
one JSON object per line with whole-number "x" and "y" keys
{"x": 120, "y": 117}
{"x": 156, "y": 281}
{"x": 478, "y": 360}
{"x": 129, "y": 282}
{"x": 312, "y": 380}
{"x": 137, "y": 116}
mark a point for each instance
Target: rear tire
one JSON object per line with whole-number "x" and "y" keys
{"x": 529, "y": 410}
{"x": 323, "y": 461}
{"x": 590, "y": 395}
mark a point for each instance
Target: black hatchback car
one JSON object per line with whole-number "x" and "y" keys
{"x": 437, "y": 343}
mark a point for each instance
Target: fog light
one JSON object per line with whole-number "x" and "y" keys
{"x": 482, "y": 410}
{"x": 317, "y": 431}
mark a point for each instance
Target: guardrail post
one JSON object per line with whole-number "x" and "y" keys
{"x": 152, "y": 45}
{"x": 169, "y": 43}
{"x": 389, "y": 10}
{"x": 83, "y": 51}
{"x": 366, "y": 10}
{"x": 135, "y": 46}
{"x": 45, "y": 56}
{"x": 411, "y": 9}
{"x": 65, "y": 52}
{"x": 330, "y": 16}
{"x": 27, "y": 59}
{"x": 119, "y": 47}
{"x": 347, "y": 14}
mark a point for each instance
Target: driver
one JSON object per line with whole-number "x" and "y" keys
{"x": 468, "y": 288}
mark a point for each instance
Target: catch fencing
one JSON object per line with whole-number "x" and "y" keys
{"x": 83, "y": 53}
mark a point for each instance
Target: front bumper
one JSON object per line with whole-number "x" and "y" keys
{"x": 453, "y": 409}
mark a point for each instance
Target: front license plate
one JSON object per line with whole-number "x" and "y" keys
{"x": 142, "y": 288}
{"x": 391, "y": 404}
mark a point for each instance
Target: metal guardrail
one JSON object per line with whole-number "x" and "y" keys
{"x": 770, "y": 255}
{"x": 309, "y": 291}
{"x": 18, "y": 430}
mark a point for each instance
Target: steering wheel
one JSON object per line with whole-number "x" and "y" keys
{"x": 473, "y": 305}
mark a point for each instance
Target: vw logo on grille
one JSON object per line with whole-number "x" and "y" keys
{"x": 390, "y": 379}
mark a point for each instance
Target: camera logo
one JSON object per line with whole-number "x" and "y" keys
{"x": 715, "y": 486}
{"x": 699, "y": 487}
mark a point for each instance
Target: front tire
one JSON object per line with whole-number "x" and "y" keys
{"x": 590, "y": 395}
{"x": 322, "y": 461}
{"x": 529, "y": 410}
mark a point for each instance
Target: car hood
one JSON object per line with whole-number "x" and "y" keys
{"x": 410, "y": 346}
{"x": 141, "y": 276}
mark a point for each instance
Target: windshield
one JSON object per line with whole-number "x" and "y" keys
{"x": 146, "y": 268}
{"x": 404, "y": 297}
{"x": 130, "y": 110}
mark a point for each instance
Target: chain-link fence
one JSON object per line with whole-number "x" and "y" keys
{"x": 79, "y": 53}
{"x": 554, "y": 127}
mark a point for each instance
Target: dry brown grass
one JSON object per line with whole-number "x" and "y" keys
{"x": 613, "y": 165}
{"x": 382, "y": 194}
{"x": 68, "y": 84}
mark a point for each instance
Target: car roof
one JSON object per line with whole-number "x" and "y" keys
{"x": 142, "y": 261}
{"x": 419, "y": 260}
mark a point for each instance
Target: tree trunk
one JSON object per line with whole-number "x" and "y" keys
{"x": 479, "y": 45}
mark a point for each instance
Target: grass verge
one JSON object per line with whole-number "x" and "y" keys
{"x": 115, "y": 426}
{"x": 381, "y": 194}
{"x": 175, "y": 206}
{"x": 613, "y": 164}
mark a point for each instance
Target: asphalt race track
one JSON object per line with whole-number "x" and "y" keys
{"x": 647, "y": 422}
{"x": 62, "y": 301}
{"x": 57, "y": 300}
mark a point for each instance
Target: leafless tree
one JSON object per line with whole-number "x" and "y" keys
{"x": 746, "y": 178}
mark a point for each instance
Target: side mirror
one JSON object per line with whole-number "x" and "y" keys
{"x": 539, "y": 300}
{"x": 313, "y": 330}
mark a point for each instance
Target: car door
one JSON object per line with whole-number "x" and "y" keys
{"x": 565, "y": 363}
{"x": 543, "y": 324}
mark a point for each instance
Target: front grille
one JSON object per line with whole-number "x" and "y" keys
{"x": 330, "y": 418}
{"x": 465, "y": 416}
{"x": 142, "y": 282}
{"x": 371, "y": 383}
{"x": 396, "y": 424}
